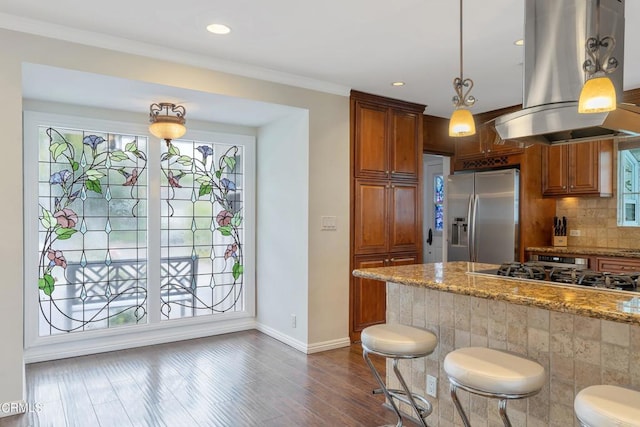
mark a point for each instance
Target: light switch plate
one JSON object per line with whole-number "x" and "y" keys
{"x": 328, "y": 223}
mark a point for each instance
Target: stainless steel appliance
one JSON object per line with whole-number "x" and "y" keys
{"x": 559, "y": 261}
{"x": 566, "y": 274}
{"x": 483, "y": 216}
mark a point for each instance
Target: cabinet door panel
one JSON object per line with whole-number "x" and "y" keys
{"x": 468, "y": 146}
{"x": 405, "y": 225}
{"x": 584, "y": 170}
{"x": 369, "y": 297}
{"x": 371, "y": 155}
{"x": 405, "y": 145}
{"x": 370, "y": 217}
{"x": 554, "y": 170}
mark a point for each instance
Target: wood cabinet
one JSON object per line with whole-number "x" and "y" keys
{"x": 387, "y": 142}
{"x": 369, "y": 297}
{"x": 579, "y": 169}
{"x": 435, "y": 136}
{"x": 618, "y": 265}
{"x": 386, "y": 205}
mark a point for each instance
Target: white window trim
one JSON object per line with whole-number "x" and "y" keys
{"x": 39, "y": 348}
{"x": 625, "y": 197}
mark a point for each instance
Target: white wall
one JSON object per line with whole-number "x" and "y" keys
{"x": 328, "y": 185}
{"x": 282, "y": 189}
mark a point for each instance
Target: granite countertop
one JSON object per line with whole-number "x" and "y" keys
{"x": 581, "y": 250}
{"x": 460, "y": 277}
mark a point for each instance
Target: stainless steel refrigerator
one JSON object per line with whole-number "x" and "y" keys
{"x": 482, "y": 213}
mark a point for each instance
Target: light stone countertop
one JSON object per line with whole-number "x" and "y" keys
{"x": 459, "y": 278}
{"x": 582, "y": 250}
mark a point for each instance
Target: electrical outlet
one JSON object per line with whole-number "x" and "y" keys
{"x": 432, "y": 386}
{"x": 293, "y": 320}
{"x": 574, "y": 233}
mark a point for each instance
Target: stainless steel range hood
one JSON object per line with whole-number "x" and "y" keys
{"x": 555, "y": 35}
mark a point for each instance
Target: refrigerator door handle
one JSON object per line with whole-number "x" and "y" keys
{"x": 473, "y": 230}
{"x": 470, "y": 228}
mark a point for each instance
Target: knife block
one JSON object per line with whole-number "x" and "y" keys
{"x": 559, "y": 240}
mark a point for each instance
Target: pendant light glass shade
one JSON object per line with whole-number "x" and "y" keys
{"x": 597, "y": 96}
{"x": 461, "y": 123}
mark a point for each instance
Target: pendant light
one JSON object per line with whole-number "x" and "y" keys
{"x": 598, "y": 94}
{"x": 462, "y": 122}
{"x": 168, "y": 125}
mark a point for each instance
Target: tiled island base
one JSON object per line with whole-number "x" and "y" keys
{"x": 576, "y": 352}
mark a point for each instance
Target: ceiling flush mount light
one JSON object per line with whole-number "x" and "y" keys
{"x": 167, "y": 121}
{"x": 397, "y": 84}
{"x": 598, "y": 94}
{"x": 519, "y": 42}
{"x": 461, "y": 122}
{"x": 218, "y": 29}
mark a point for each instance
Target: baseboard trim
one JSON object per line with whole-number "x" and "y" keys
{"x": 299, "y": 345}
{"x": 328, "y": 345}
{"x": 286, "y": 339}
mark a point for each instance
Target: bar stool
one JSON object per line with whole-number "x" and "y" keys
{"x": 607, "y": 406}
{"x": 492, "y": 373}
{"x": 399, "y": 342}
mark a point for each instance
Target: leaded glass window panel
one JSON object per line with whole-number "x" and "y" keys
{"x": 438, "y": 202}
{"x": 92, "y": 238}
{"x": 202, "y": 227}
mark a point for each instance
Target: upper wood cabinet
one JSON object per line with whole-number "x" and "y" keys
{"x": 435, "y": 136}
{"x": 579, "y": 169}
{"x": 387, "y": 141}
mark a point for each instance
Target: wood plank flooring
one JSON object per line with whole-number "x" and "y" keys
{"x": 240, "y": 379}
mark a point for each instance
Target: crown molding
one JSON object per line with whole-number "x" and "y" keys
{"x": 90, "y": 38}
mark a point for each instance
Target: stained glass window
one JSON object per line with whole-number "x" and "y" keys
{"x": 438, "y": 201}
{"x": 121, "y": 240}
{"x": 202, "y": 226}
{"x": 92, "y": 230}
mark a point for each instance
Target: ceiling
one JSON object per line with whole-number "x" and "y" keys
{"x": 332, "y": 45}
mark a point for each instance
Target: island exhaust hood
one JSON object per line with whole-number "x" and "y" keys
{"x": 555, "y": 35}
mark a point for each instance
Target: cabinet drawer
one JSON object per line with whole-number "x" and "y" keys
{"x": 618, "y": 265}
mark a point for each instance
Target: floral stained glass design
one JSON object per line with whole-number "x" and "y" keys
{"x": 92, "y": 230}
{"x": 438, "y": 201}
{"x": 202, "y": 223}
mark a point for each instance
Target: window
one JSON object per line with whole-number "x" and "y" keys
{"x": 438, "y": 201}
{"x": 129, "y": 232}
{"x": 628, "y": 186}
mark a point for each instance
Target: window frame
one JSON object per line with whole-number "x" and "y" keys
{"x": 624, "y": 197}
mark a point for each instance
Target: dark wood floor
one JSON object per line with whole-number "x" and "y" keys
{"x": 240, "y": 379}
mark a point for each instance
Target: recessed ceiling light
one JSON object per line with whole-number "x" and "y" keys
{"x": 519, "y": 42}
{"x": 218, "y": 29}
{"x": 397, "y": 84}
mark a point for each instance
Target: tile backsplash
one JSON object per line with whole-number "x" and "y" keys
{"x": 596, "y": 218}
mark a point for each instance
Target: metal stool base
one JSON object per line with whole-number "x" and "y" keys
{"x": 404, "y": 395}
{"x": 502, "y": 403}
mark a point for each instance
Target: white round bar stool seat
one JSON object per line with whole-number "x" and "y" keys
{"x": 607, "y": 406}
{"x": 399, "y": 342}
{"x": 492, "y": 373}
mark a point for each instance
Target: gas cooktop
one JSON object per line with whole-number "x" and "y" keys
{"x": 566, "y": 275}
